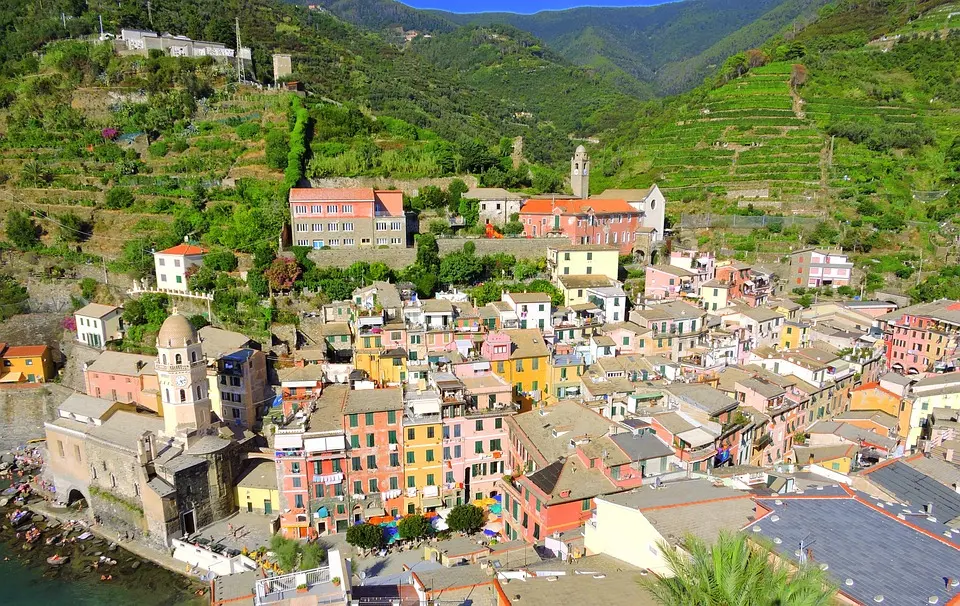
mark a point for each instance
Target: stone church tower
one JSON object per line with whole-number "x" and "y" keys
{"x": 182, "y": 374}
{"x": 580, "y": 173}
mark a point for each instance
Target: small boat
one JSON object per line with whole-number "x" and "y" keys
{"x": 85, "y": 536}
{"x": 20, "y": 517}
{"x": 54, "y": 540}
{"x": 57, "y": 560}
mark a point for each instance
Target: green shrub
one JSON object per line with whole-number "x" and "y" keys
{"x": 159, "y": 149}
{"x": 248, "y": 130}
{"x": 119, "y": 198}
{"x": 88, "y": 288}
{"x": 179, "y": 146}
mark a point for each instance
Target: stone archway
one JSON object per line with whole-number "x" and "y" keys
{"x": 75, "y": 497}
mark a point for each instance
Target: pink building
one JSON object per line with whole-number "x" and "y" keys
{"x": 347, "y": 217}
{"x": 489, "y": 400}
{"x": 811, "y": 268}
{"x": 474, "y": 432}
{"x": 595, "y": 221}
{"x": 669, "y": 282}
{"x": 923, "y": 337}
{"x": 123, "y": 377}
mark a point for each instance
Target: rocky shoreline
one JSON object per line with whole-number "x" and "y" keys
{"x": 68, "y": 548}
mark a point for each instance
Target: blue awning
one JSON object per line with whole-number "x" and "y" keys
{"x": 323, "y": 513}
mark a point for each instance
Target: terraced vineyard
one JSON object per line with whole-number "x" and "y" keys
{"x": 746, "y": 139}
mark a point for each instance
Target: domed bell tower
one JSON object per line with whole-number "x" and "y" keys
{"x": 182, "y": 375}
{"x": 580, "y": 173}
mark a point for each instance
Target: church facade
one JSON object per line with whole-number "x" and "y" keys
{"x": 157, "y": 476}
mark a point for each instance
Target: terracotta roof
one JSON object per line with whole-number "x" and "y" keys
{"x": 23, "y": 351}
{"x": 183, "y": 249}
{"x": 576, "y": 207}
{"x": 332, "y": 194}
{"x": 875, "y": 385}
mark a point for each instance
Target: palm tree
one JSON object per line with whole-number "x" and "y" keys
{"x": 735, "y": 572}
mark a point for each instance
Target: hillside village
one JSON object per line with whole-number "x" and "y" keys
{"x": 709, "y": 393}
{"x": 322, "y": 356}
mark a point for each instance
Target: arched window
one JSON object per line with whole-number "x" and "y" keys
{"x": 183, "y": 396}
{"x": 198, "y": 392}
{"x": 167, "y": 394}
{"x": 164, "y": 358}
{"x": 179, "y": 359}
{"x": 193, "y": 356}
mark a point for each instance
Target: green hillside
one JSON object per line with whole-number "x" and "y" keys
{"x": 546, "y": 95}
{"x": 671, "y": 47}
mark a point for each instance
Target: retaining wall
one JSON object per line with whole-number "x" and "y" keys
{"x": 398, "y": 258}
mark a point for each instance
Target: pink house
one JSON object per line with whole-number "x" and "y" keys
{"x": 668, "y": 282}
{"x": 123, "y": 377}
{"x": 594, "y": 221}
{"x": 628, "y": 337}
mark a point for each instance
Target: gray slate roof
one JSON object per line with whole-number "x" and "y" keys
{"x": 917, "y": 489}
{"x": 642, "y": 446}
{"x": 85, "y": 406}
{"x": 880, "y": 553}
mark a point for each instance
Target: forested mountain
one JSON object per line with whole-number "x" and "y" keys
{"x": 663, "y": 49}
{"x": 338, "y": 61}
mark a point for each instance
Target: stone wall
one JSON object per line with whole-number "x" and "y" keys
{"x": 410, "y": 187}
{"x": 115, "y": 489}
{"x": 398, "y": 258}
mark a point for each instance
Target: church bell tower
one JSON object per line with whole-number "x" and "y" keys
{"x": 182, "y": 375}
{"x": 580, "y": 173}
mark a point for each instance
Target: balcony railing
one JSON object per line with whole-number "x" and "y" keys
{"x": 317, "y": 581}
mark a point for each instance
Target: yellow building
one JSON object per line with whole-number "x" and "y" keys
{"x": 838, "y": 458}
{"x": 26, "y": 364}
{"x": 386, "y": 367}
{"x": 583, "y": 259}
{"x": 422, "y": 450}
{"x": 794, "y": 335}
{"x": 714, "y": 295}
{"x": 257, "y": 488}
{"x": 575, "y": 287}
{"x": 527, "y": 368}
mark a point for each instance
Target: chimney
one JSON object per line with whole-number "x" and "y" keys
{"x": 948, "y": 455}
{"x": 928, "y": 509}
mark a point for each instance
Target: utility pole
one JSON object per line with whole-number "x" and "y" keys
{"x": 239, "y": 59}
{"x": 150, "y": 13}
{"x": 103, "y": 263}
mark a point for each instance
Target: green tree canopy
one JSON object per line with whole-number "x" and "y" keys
{"x": 466, "y": 518}
{"x": 22, "y": 231}
{"x": 365, "y": 536}
{"x": 414, "y": 527}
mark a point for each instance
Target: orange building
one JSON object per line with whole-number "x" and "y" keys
{"x": 871, "y": 396}
{"x": 26, "y": 364}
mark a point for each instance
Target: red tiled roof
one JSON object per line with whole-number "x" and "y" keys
{"x": 576, "y": 207}
{"x": 184, "y": 249}
{"x": 24, "y": 351}
{"x": 331, "y": 194}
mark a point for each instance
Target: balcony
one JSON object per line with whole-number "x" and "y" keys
{"x": 496, "y": 409}
{"x": 318, "y": 584}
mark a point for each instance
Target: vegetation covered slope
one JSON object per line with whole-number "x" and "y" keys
{"x": 546, "y": 95}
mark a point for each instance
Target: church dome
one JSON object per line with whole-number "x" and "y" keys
{"x": 176, "y": 332}
{"x": 581, "y": 149}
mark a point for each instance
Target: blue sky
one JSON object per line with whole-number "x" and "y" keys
{"x": 520, "y": 6}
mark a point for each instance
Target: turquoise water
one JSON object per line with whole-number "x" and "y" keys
{"x": 36, "y": 583}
